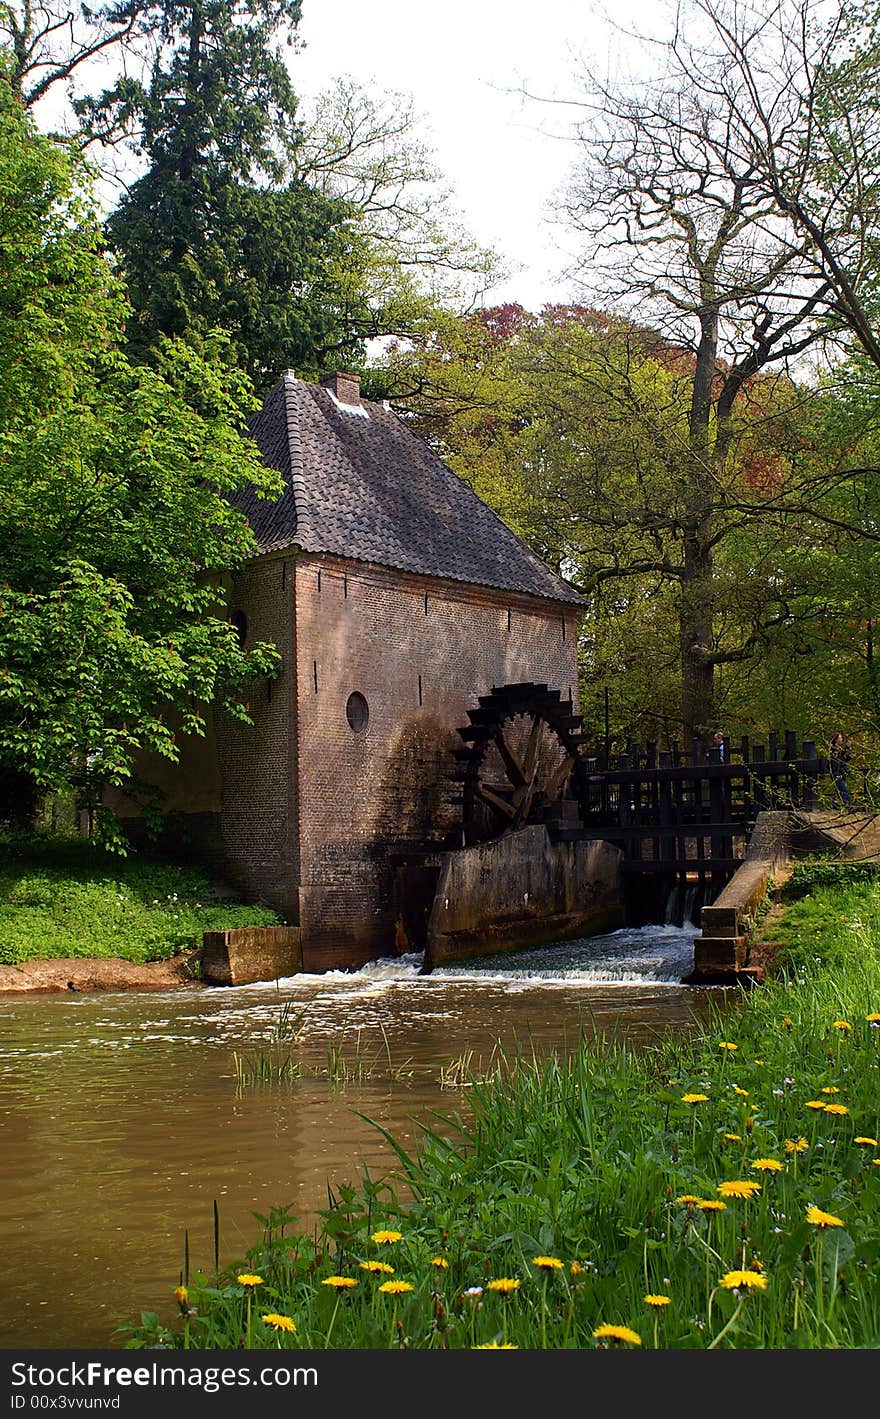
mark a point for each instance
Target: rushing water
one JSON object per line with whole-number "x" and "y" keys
{"x": 122, "y": 1122}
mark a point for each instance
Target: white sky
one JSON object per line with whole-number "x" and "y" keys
{"x": 465, "y": 63}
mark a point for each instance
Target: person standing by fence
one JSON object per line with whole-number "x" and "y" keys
{"x": 838, "y": 760}
{"x": 721, "y": 754}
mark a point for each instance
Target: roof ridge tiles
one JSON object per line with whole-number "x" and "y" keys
{"x": 295, "y": 452}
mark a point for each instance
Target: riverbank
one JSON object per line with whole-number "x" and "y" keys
{"x": 99, "y": 973}
{"x": 73, "y": 917}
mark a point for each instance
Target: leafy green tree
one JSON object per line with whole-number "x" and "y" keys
{"x": 301, "y": 239}
{"x": 115, "y": 523}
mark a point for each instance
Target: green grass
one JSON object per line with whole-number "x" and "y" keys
{"x": 62, "y": 897}
{"x": 562, "y": 1202}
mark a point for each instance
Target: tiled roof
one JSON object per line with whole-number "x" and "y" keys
{"x": 360, "y": 484}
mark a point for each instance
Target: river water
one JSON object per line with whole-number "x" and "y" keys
{"x": 123, "y": 1121}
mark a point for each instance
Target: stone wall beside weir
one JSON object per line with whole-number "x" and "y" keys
{"x": 523, "y": 890}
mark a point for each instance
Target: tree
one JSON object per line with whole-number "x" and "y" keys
{"x": 301, "y": 239}
{"x": 49, "y": 43}
{"x": 114, "y": 516}
{"x": 731, "y": 199}
{"x": 574, "y": 425}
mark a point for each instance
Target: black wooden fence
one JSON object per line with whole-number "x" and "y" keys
{"x": 684, "y": 811}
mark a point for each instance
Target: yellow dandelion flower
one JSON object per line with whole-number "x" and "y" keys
{"x": 873, "y": 1018}
{"x": 440, "y": 1262}
{"x": 796, "y": 1145}
{"x": 395, "y": 1288}
{"x": 496, "y": 1345}
{"x": 876, "y": 1162}
{"x": 744, "y": 1281}
{"x": 759, "y": 1061}
{"x": 376, "y": 1266}
{"x": 818, "y": 1218}
{"x": 576, "y": 1269}
{"x": 547, "y": 1263}
{"x": 383, "y": 1237}
{"x": 815, "y": 1104}
{"x": 504, "y": 1285}
{"x": 831, "y": 1089}
{"x": 712, "y": 1204}
{"x": 788, "y": 1022}
{"x": 617, "y": 1332}
{"x": 181, "y": 1295}
{"x": 868, "y": 1142}
{"x": 658, "y": 1302}
{"x": 733, "y": 1138}
{"x": 339, "y": 1283}
{"x": 278, "y": 1322}
{"x": 688, "y": 1199}
{"x": 247, "y": 1278}
{"x": 743, "y": 1093}
{"x": 767, "y": 1165}
{"x": 695, "y": 1098}
{"x": 842, "y": 1025}
{"x": 739, "y": 1187}
{"x": 727, "y": 1044}
{"x": 836, "y": 1109}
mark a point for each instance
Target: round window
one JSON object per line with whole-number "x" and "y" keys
{"x": 357, "y": 712}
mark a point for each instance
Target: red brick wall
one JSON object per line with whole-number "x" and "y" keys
{"x": 364, "y": 796}
{"x": 301, "y": 812}
{"x": 257, "y": 763}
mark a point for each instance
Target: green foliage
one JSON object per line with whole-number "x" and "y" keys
{"x": 114, "y": 516}
{"x": 64, "y": 897}
{"x": 207, "y": 237}
{"x": 810, "y": 874}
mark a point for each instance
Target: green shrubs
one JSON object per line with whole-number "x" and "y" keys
{"x": 62, "y": 897}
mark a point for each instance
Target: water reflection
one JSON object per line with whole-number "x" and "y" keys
{"x": 121, "y": 1122}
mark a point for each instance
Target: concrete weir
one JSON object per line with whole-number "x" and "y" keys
{"x": 721, "y": 951}
{"x": 522, "y": 890}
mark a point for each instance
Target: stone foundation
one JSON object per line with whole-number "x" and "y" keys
{"x": 245, "y": 954}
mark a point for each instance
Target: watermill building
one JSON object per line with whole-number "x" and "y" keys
{"x": 400, "y": 603}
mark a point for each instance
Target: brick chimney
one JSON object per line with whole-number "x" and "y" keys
{"x": 346, "y": 387}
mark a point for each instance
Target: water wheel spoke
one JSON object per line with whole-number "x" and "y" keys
{"x": 559, "y": 778}
{"x": 512, "y": 765}
{"x": 526, "y": 800}
{"x": 495, "y": 800}
{"x": 530, "y": 762}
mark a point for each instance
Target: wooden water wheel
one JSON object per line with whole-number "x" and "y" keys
{"x": 520, "y": 762}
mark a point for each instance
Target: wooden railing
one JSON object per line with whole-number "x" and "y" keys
{"x": 682, "y": 810}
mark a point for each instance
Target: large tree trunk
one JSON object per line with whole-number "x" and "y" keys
{"x": 697, "y": 604}
{"x": 695, "y": 640}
